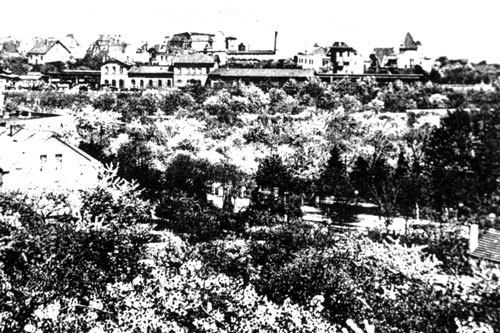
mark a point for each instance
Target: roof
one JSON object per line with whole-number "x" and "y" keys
{"x": 319, "y": 50}
{"x": 488, "y": 246}
{"x": 196, "y": 58}
{"x": 43, "y": 46}
{"x": 341, "y": 46}
{"x": 114, "y": 61}
{"x": 262, "y": 72}
{"x": 382, "y": 52}
{"x": 25, "y": 139}
{"x": 251, "y": 52}
{"x": 151, "y": 71}
{"x": 409, "y": 43}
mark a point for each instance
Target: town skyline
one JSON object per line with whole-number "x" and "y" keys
{"x": 455, "y": 30}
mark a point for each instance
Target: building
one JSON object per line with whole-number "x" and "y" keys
{"x": 484, "y": 249}
{"x": 196, "y": 41}
{"x": 114, "y": 73}
{"x": 316, "y": 60}
{"x": 190, "y": 68}
{"x": 40, "y": 159}
{"x": 345, "y": 59}
{"x": 257, "y": 75}
{"x": 45, "y": 51}
{"x": 109, "y": 47}
{"x": 411, "y": 54}
{"x": 148, "y": 77}
{"x": 244, "y": 54}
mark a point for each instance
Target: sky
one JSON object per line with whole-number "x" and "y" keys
{"x": 456, "y": 29}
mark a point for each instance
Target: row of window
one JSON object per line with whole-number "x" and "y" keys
{"x": 112, "y": 69}
{"x": 305, "y": 61}
{"x": 190, "y": 71}
{"x": 58, "y": 162}
{"x": 151, "y": 83}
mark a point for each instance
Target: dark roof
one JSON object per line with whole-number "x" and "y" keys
{"x": 150, "y": 71}
{"x": 196, "y": 58}
{"x": 43, "y": 46}
{"x": 262, "y": 72}
{"x": 341, "y": 46}
{"x": 381, "y": 52}
{"x": 409, "y": 43}
{"x": 488, "y": 246}
{"x": 114, "y": 61}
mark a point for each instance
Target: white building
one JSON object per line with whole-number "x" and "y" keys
{"x": 114, "y": 73}
{"x": 411, "y": 54}
{"x": 40, "y": 159}
{"x": 46, "y": 51}
{"x": 345, "y": 59}
{"x": 316, "y": 59}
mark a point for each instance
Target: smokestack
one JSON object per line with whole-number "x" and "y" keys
{"x": 473, "y": 238}
{"x": 275, "y": 39}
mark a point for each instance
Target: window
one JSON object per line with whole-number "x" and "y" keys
{"x": 169, "y": 83}
{"x": 43, "y": 162}
{"x": 132, "y": 82}
{"x": 58, "y": 162}
{"x": 121, "y": 70}
{"x": 107, "y": 69}
{"x": 113, "y": 83}
{"x": 142, "y": 83}
{"x": 159, "y": 83}
{"x": 106, "y": 81}
{"x": 114, "y": 69}
{"x": 121, "y": 83}
{"x": 150, "y": 83}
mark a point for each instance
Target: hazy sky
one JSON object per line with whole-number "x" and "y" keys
{"x": 457, "y": 29}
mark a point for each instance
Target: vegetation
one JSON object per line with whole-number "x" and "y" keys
{"x": 246, "y": 260}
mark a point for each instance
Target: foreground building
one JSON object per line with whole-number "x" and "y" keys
{"x": 41, "y": 159}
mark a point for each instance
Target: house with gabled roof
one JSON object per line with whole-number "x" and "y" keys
{"x": 316, "y": 59}
{"x": 32, "y": 159}
{"x": 48, "y": 50}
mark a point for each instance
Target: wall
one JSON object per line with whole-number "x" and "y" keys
{"x": 74, "y": 171}
{"x": 57, "y": 53}
{"x": 135, "y": 82}
{"x": 114, "y": 71}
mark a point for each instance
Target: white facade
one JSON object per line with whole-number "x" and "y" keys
{"x": 38, "y": 159}
{"x": 56, "y": 53}
{"x": 314, "y": 60}
{"x": 115, "y": 74}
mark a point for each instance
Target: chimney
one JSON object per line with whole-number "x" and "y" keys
{"x": 473, "y": 237}
{"x": 275, "y": 40}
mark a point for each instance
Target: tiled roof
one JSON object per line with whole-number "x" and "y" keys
{"x": 196, "y": 58}
{"x": 262, "y": 72}
{"x": 43, "y": 46}
{"x": 409, "y": 43}
{"x": 382, "y": 52}
{"x": 488, "y": 246}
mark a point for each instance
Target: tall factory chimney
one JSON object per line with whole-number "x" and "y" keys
{"x": 275, "y": 39}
